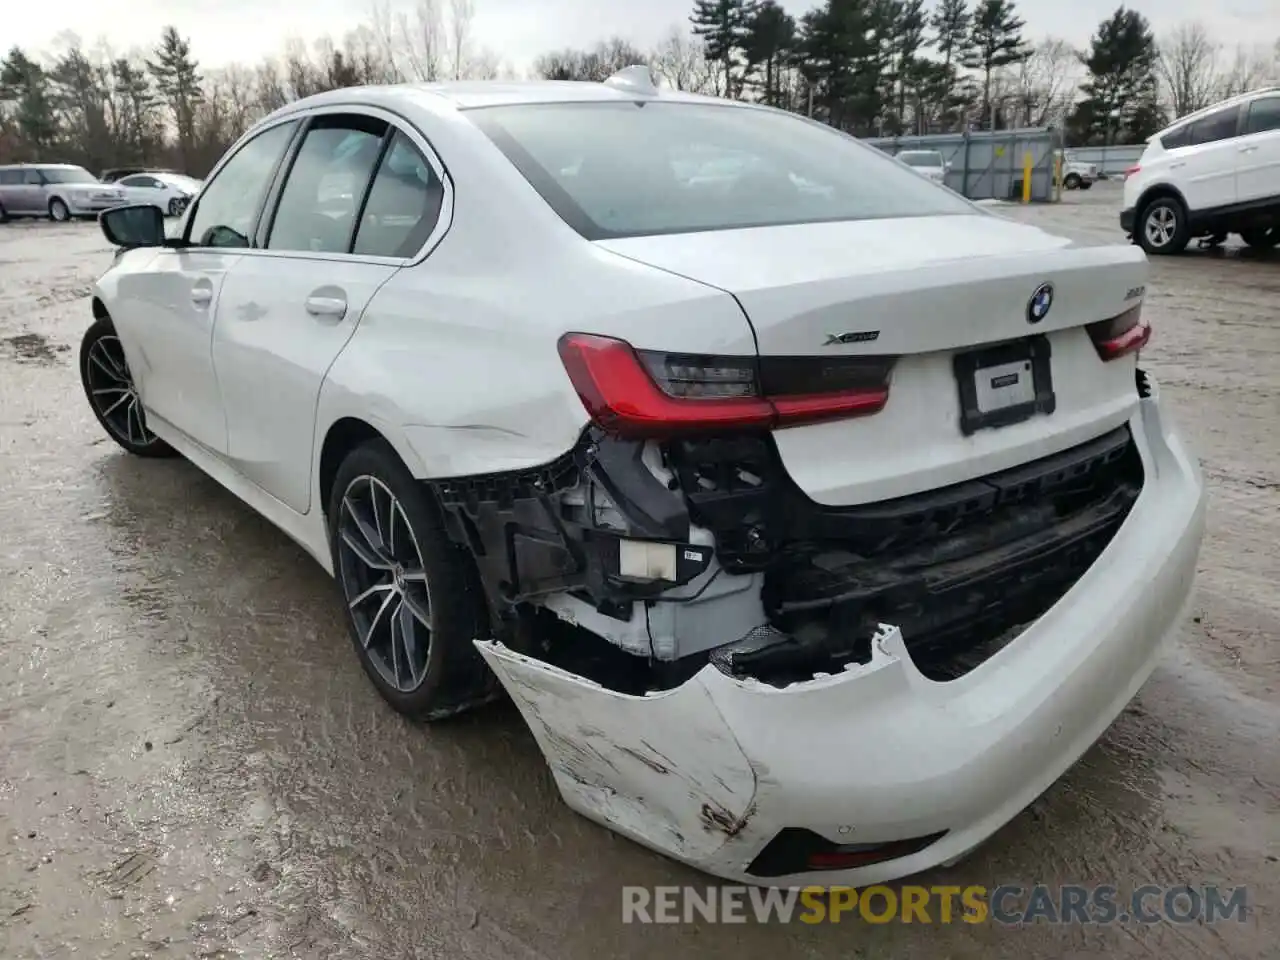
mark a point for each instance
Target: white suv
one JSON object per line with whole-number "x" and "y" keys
{"x": 1213, "y": 172}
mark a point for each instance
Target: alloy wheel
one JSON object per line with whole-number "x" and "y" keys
{"x": 58, "y": 211}
{"x": 113, "y": 395}
{"x": 1161, "y": 225}
{"x": 384, "y": 580}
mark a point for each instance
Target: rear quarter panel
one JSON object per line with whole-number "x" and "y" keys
{"x": 455, "y": 359}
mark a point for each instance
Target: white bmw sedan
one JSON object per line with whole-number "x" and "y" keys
{"x": 815, "y": 519}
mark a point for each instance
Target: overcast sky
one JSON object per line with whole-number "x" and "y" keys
{"x": 518, "y": 30}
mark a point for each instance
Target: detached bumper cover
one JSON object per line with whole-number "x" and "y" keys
{"x": 712, "y": 771}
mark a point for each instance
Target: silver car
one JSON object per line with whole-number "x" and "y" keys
{"x": 59, "y": 191}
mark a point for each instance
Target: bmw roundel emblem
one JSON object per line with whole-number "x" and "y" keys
{"x": 1040, "y": 302}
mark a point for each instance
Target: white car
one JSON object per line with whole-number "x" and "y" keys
{"x": 1212, "y": 173}
{"x": 171, "y": 192}
{"x": 928, "y": 163}
{"x": 814, "y": 534}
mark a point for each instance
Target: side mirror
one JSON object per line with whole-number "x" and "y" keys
{"x": 140, "y": 225}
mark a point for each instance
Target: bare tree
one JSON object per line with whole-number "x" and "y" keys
{"x": 1188, "y": 67}
{"x": 484, "y": 64}
{"x": 461, "y": 13}
{"x": 678, "y": 60}
{"x": 269, "y": 87}
{"x": 1038, "y": 91}
{"x": 423, "y": 41}
{"x": 243, "y": 108}
{"x": 597, "y": 64}
{"x": 387, "y": 37}
{"x": 1248, "y": 69}
{"x": 367, "y": 57}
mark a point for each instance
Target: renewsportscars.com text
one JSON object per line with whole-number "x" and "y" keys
{"x": 1007, "y": 904}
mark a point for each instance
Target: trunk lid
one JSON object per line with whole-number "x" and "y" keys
{"x": 923, "y": 289}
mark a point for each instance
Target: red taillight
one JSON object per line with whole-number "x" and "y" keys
{"x": 1131, "y": 171}
{"x": 1121, "y": 335}
{"x": 650, "y": 394}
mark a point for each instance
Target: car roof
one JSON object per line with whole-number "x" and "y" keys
{"x": 474, "y": 94}
{"x": 1214, "y": 107}
{"x": 43, "y": 166}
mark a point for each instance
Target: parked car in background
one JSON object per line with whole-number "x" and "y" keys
{"x": 1077, "y": 175}
{"x": 119, "y": 173}
{"x": 59, "y": 191}
{"x": 171, "y": 192}
{"x": 1212, "y": 173}
{"x": 815, "y": 519}
{"x": 926, "y": 162}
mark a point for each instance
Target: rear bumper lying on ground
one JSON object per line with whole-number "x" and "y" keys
{"x": 714, "y": 771}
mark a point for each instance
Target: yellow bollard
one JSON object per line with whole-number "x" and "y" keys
{"x": 1026, "y": 177}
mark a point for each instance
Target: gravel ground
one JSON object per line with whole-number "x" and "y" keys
{"x": 193, "y": 764}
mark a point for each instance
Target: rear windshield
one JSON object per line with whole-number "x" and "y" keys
{"x": 920, "y": 158}
{"x": 639, "y": 169}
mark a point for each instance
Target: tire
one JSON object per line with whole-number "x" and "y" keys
{"x": 58, "y": 211}
{"x": 1261, "y": 238}
{"x": 4, "y": 214}
{"x": 175, "y": 207}
{"x": 1162, "y": 229}
{"x": 1086, "y": 184}
{"x": 108, "y": 386}
{"x": 428, "y": 585}
{"x": 1072, "y": 181}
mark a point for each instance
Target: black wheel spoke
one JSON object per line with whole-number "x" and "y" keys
{"x": 112, "y": 393}
{"x": 378, "y": 618}
{"x": 409, "y": 636}
{"x": 384, "y": 579}
{"x": 418, "y": 608}
{"x": 362, "y": 537}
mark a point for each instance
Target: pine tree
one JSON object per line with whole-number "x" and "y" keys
{"x": 907, "y": 23}
{"x": 995, "y": 38}
{"x": 841, "y": 57}
{"x": 722, "y": 25}
{"x": 24, "y": 82}
{"x": 1121, "y": 100}
{"x": 79, "y": 92}
{"x": 950, "y": 21}
{"x": 177, "y": 76}
{"x": 768, "y": 45}
{"x": 136, "y": 107}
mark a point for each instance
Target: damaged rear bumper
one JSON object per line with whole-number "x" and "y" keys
{"x": 768, "y": 785}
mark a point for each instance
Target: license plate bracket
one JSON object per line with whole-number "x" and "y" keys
{"x": 1004, "y": 384}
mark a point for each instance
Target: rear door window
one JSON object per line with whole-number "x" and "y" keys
{"x": 1219, "y": 125}
{"x": 326, "y": 184}
{"x": 403, "y": 206}
{"x": 1176, "y": 138}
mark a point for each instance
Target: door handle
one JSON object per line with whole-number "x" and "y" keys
{"x": 1248, "y": 149}
{"x": 202, "y": 296}
{"x": 1175, "y": 166}
{"x": 319, "y": 306}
